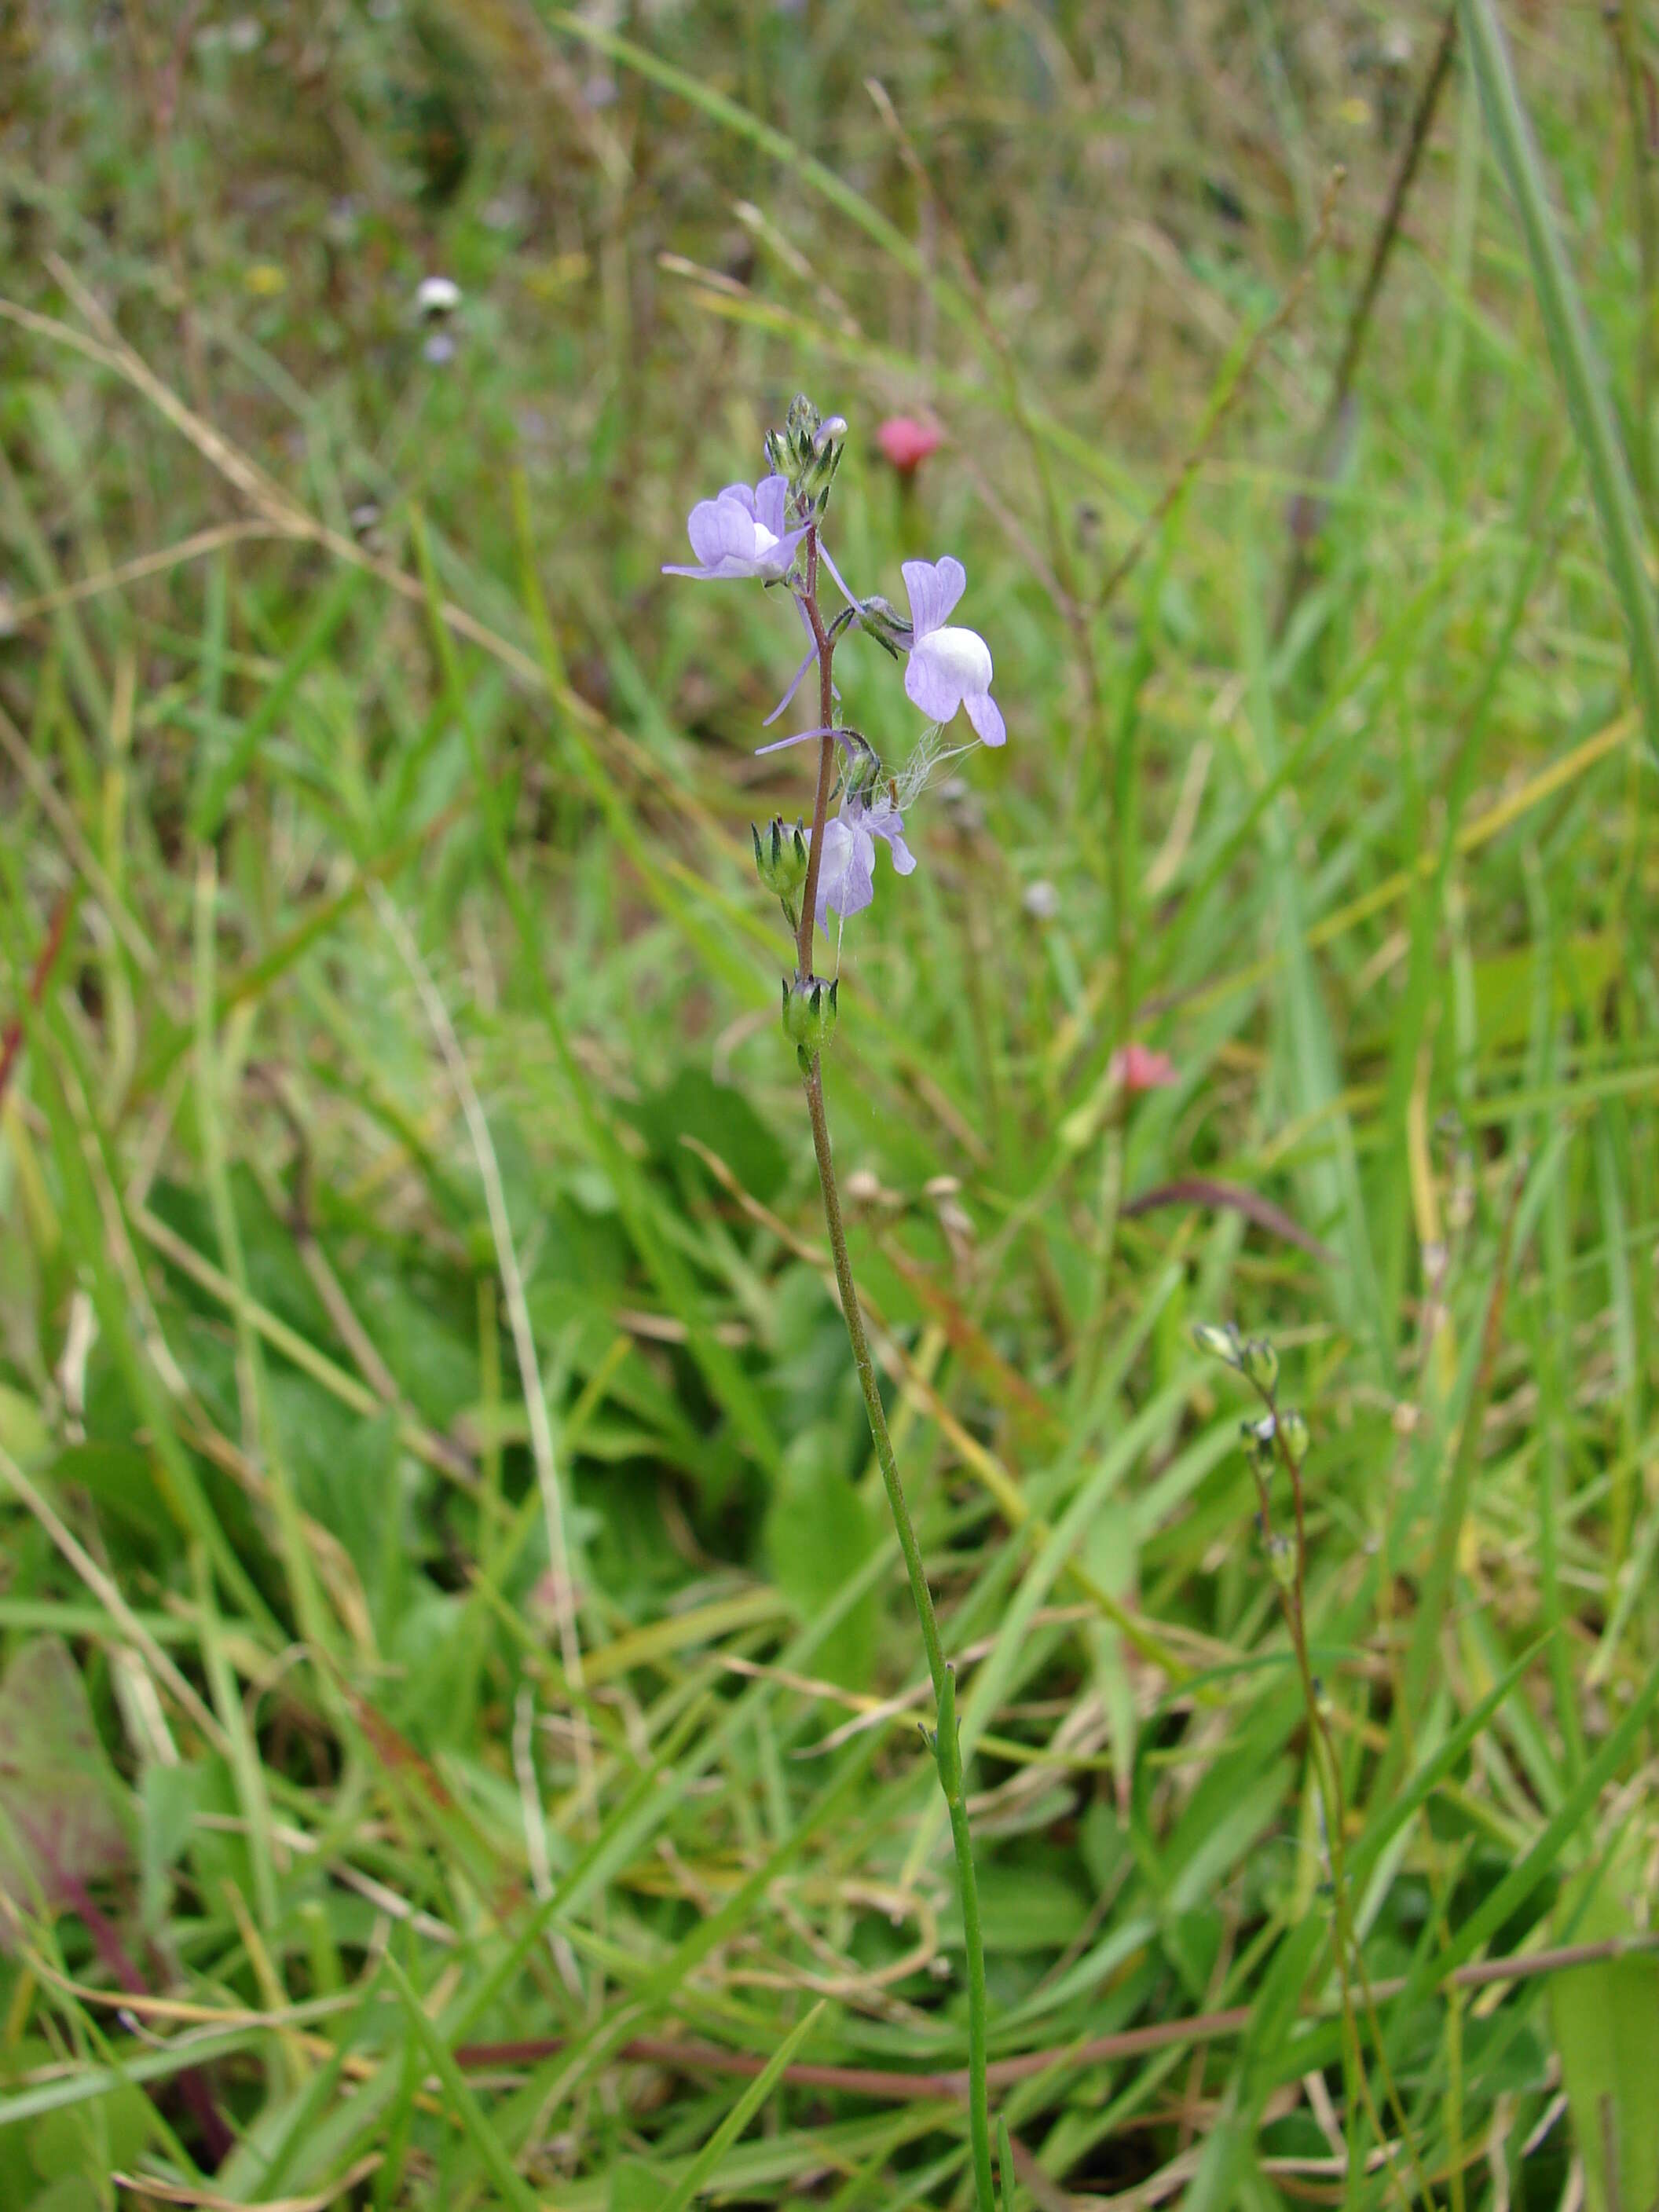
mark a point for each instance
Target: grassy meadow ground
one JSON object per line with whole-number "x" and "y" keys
{"x": 405, "y": 1751}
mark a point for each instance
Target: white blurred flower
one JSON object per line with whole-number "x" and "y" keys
{"x": 437, "y": 296}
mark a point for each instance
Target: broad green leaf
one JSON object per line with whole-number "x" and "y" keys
{"x": 819, "y": 1532}
{"x": 63, "y": 1821}
{"x": 23, "y": 1432}
{"x": 1606, "y": 2019}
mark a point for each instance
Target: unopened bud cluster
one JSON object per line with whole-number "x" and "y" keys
{"x": 1277, "y": 1433}
{"x": 807, "y": 451}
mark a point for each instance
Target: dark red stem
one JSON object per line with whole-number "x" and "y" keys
{"x": 826, "y": 647}
{"x": 12, "y": 1042}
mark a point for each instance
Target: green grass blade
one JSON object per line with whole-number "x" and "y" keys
{"x": 459, "y": 2098}
{"x": 703, "y": 2166}
{"x": 1572, "y": 346}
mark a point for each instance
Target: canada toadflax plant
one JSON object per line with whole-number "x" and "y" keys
{"x": 772, "y": 533}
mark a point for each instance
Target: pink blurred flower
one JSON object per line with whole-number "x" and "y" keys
{"x": 1139, "y": 1068}
{"x": 906, "y": 443}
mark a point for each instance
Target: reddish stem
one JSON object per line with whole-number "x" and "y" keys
{"x": 217, "y": 2140}
{"x": 12, "y": 1043}
{"x": 826, "y": 649}
{"x": 898, "y": 2087}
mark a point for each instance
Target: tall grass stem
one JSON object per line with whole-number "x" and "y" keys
{"x": 1577, "y": 363}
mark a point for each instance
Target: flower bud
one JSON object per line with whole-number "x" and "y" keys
{"x": 864, "y": 771}
{"x": 801, "y": 427}
{"x": 1259, "y": 1363}
{"x": 1219, "y": 1340}
{"x": 1281, "y": 1560}
{"x": 1293, "y": 1430}
{"x": 824, "y": 459}
{"x": 781, "y": 861}
{"x": 880, "y": 619}
{"x": 1257, "y": 1437}
{"x": 809, "y": 1016}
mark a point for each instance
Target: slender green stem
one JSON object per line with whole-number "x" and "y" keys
{"x": 826, "y": 647}
{"x": 979, "y": 2121}
{"x": 1328, "y": 1775}
{"x": 979, "y": 2110}
{"x": 868, "y": 1383}
{"x": 949, "y": 1761}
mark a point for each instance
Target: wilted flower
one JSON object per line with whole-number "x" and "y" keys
{"x": 906, "y": 443}
{"x": 949, "y": 667}
{"x": 847, "y": 873}
{"x": 1139, "y": 1068}
{"x": 742, "y": 532}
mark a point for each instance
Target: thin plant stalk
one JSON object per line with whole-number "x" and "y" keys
{"x": 944, "y": 1746}
{"x": 1622, "y": 21}
{"x": 1328, "y": 1775}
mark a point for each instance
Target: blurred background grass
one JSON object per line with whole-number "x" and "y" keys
{"x": 390, "y": 987}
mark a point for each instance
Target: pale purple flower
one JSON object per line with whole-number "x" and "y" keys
{"x": 949, "y": 667}
{"x": 742, "y": 532}
{"x": 847, "y": 881}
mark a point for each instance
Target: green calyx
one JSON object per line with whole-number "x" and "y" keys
{"x": 809, "y": 1016}
{"x": 780, "y": 863}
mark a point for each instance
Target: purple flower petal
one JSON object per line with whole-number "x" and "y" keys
{"x": 928, "y": 685}
{"x": 986, "y": 716}
{"x": 720, "y": 531}
{"x": 846, "y": 875}
{"x": 794, "y": 686}
{"x": 782, "y": 745}
{"x": 934, "y": 588}
{"x": 841, "y": 581}
{"x": 766, "y": 503}
{"x": 777, "y": 564}
{"x": 885, "y": 822}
